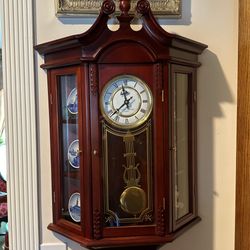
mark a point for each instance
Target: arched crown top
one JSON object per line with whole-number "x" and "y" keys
{"x": 99, "y": 36}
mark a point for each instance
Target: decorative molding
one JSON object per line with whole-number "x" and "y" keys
{"x": 148, "y": 217}
{"x": 165, "y": 8}
{"x": 160, "y": 221}
{"x": 142, "y": 7}
{"x": 97, "y": 224}
{"x": 158, "y": 76}
{"x": 93, "y": 79}
{"x": 20, "y": 114}
{"x": 108, "y": 7}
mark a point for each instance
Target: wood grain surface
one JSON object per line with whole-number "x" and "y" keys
{"x": 242, "y": 236}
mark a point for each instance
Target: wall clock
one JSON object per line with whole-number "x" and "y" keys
{"x": 123, "y": 132}
{"x": 126, "y": 101}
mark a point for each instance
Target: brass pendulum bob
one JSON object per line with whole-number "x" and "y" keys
{"x": 133, "y": 198}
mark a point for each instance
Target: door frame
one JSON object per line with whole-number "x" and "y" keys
{"x": 242, "y": 221}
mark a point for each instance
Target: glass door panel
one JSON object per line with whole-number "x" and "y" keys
{"x": 128, "y": 198}
{"x": 181, "y": 140}
{"x": 70, "y": 207}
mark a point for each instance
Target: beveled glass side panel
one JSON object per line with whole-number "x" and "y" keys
{"x": 70, "y": 159}
{"x": 181, "y": 145}
{"x": 128, "y": 198}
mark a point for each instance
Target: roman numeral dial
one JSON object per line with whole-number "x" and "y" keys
{"x": 126, "y": 101}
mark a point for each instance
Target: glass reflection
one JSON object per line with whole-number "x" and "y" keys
{"x": 70, "y": 148}
{"x": 181, "y": 142}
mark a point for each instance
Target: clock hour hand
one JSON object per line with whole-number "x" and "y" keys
{"x": 124, "y": 93}
{"x": 126, "y": 102}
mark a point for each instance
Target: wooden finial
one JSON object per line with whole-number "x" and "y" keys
{"x": 124, "y": 7}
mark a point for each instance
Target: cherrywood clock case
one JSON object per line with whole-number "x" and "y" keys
{"x": 123, "y": 132}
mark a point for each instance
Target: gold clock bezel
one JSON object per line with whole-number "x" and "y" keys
{"x": 141, "y": 120}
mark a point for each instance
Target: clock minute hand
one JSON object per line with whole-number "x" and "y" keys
{"x": 117, "y": 110}
{"x": 114, "y": 112}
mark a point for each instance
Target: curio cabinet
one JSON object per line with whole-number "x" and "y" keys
{"x": 123, "y": 131}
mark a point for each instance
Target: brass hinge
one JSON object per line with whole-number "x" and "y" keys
{"x": 162, "y": 95}
{"x": 174, "y": 149}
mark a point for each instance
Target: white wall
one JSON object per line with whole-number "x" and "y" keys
{"x": 214, "y": 23}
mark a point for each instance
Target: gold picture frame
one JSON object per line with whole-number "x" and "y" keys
{"x": 76, "y": 8}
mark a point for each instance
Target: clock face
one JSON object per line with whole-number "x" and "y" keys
{"x": 126, "y": 101}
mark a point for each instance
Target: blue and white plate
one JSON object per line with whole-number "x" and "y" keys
{"x": 73, "y": 154}
{"x": 72, "y": 102}
{"x": 74, "y": 207}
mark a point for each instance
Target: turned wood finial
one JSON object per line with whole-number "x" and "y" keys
{"x": 124, "y": 7}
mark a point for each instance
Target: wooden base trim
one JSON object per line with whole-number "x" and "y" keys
{"x": 141, "y": 242}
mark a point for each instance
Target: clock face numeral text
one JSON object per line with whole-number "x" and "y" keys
{"x": 115, "y": 85}
{"x": 145, "y": 101}
{"x": 126, "y": 121}
{"x": 143, "y": 111}
{"x": 117, "y": 118}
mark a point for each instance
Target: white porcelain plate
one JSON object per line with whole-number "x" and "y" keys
{"x": 72, "y": 102}
{"x": 73, "y": 154}
{"x": 74, "y": 207}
